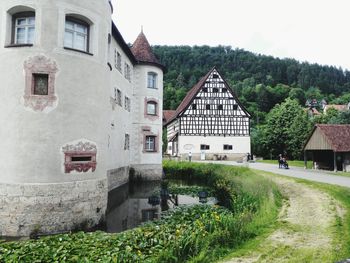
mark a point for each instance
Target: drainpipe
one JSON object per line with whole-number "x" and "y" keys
{"x": 335, "y": 161}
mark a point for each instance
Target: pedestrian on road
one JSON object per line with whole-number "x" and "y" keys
{"x": 189, "y": 156}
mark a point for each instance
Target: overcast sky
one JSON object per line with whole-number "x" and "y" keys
{"x": 307, "y": 30}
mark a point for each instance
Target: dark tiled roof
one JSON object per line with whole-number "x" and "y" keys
{"x": 167, "y": 114}
{"x": 143, "y": 51}
{"x": 337, "y": 135}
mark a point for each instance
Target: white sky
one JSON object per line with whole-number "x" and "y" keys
{"x": 307, "y": 30}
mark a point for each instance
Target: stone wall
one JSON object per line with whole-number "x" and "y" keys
{"x": 117, "y": 177}
{"x": 146, "y": 172}
{"x": 51, "y": 208}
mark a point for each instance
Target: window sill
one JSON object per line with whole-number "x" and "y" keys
{"x": 77, "y": 50}
{"x": 152, "y": 88}
{"x": 18, "y": 45}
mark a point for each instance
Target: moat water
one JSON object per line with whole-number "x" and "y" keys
{"x": 129, "y": 205}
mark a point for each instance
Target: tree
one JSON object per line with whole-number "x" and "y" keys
{"x": 286, "y": 129}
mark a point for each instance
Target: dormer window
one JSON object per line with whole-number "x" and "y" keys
{"x": 151, "y": 80}
{"x": 76, "y": 34}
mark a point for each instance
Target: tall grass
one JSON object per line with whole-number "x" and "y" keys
{"x": 202, "y": 233}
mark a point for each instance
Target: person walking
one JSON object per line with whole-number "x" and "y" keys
{"x": 189, "y": 156}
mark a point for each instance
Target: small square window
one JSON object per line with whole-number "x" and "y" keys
{"x": 205, "y": 89}
{"x": 215, "y": 90}
{"x": 40, "y": 84}
{"x": 220, "y": 107}
{"x": 215, "y": 76}
{"x": 194, "y": 106}
{"x": 223, "y": 90}
{"x": 207, "y": 107}
{"x": 228, "y": 147}
{"x": 205, "y": 147}
{"x": 235, "y": 107}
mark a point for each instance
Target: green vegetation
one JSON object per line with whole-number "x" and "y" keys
{"x": 290, "y": 163}
{"x": 268, "y": 87}
{"x": 250, "y": 204}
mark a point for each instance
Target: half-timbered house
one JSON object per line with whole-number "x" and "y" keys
{"x": 210, "y": 123}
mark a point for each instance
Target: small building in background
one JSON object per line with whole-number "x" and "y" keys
{"x": 210, "y": 123}
{"x": 329, "y": 147}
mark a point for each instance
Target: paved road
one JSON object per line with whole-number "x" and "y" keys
{"x": 297, "y": 172}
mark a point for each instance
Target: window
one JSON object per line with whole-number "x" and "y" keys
{"x": 23, "y": 28}
{"x": 215, "y": 76}
{"x": 76, "y": 34}
{"x": 127, "y": 142}
{"x": 215, "y": 90}
{"x": 118, "y": 60}
{"x": 150, "y": 144}
{"x": 127, "y": 71}
{"x": 220, "y": 107}
{"x": 151, "y": 108}
{"x": 194, "y": 106}
{"x": 207, "y": 107}
{"x": 205, "y": 89}
{"x": 205, "y": 147}
{"x": 127, "y": 103}
{"x": 151, "y": 80}
{"x": 118, "y": 97}
{"x": 40, "y": 84}
{"x": 228, "y": 147}
{"x": 223, "y": 90}
{"x": 235, "y": 106}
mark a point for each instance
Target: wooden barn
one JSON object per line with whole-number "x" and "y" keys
{"x": 210, "y": 123}
{"x": 329, "y": 147}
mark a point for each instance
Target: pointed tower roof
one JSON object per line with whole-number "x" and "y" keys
{"x": 143, "y": 52}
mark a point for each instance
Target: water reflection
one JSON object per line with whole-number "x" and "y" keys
{"x": 132, "y": 204}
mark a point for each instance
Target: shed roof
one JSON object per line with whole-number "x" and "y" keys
{"x": 167, "y": 114}
{"x": 337, "y": 136}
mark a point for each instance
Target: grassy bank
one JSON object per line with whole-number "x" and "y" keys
{"x": 248, "y": 207}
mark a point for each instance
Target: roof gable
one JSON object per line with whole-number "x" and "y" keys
{"x": 198, "y": 88}
{"x": 334, "y": 137}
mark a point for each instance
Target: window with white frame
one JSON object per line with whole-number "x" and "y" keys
{"x": 127, "y": 71}
{"x": 23, "y": 28}
{"x": 118, "y": 60}
{"x": 76, "y": 34}
{"x": 152, "y": 80}
{"x": 127, "y": 103}
{"x": 150, "y": 143}
{"x": 151, "y": 108}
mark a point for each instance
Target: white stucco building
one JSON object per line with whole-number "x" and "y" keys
{"x": 78, "y": 109}
{"x": 210, "y": 123}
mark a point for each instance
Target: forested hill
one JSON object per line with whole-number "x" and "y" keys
{"x": 243, "y": 69}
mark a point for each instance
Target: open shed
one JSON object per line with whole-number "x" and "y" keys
{"x": 329, "y": 147}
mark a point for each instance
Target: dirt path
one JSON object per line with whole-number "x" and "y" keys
{"x": 305, "y": 232}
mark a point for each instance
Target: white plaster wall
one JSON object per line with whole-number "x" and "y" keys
{"x": 241, "y": 145}
{"x": 139, "y": 120}
{"x": 31, "y": 151}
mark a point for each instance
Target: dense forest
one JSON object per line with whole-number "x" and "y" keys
{"x": 265, "y": 85}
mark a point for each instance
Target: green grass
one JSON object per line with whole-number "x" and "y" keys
{"x": 342, "y": 227}
{"x": 249, "y": 208}
{"x": 309, "y": 166}
{"x": 290, "y": 163}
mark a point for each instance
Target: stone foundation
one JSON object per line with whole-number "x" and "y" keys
{"x": 146, "y": 172}
{"x": 51, "y": 208}
{"x": 117, "y": 177}
{"x": 214, "y": 157}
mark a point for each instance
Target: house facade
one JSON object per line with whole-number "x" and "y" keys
{"x": 79, "y": 109}
{"x": 210, "y": 123}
